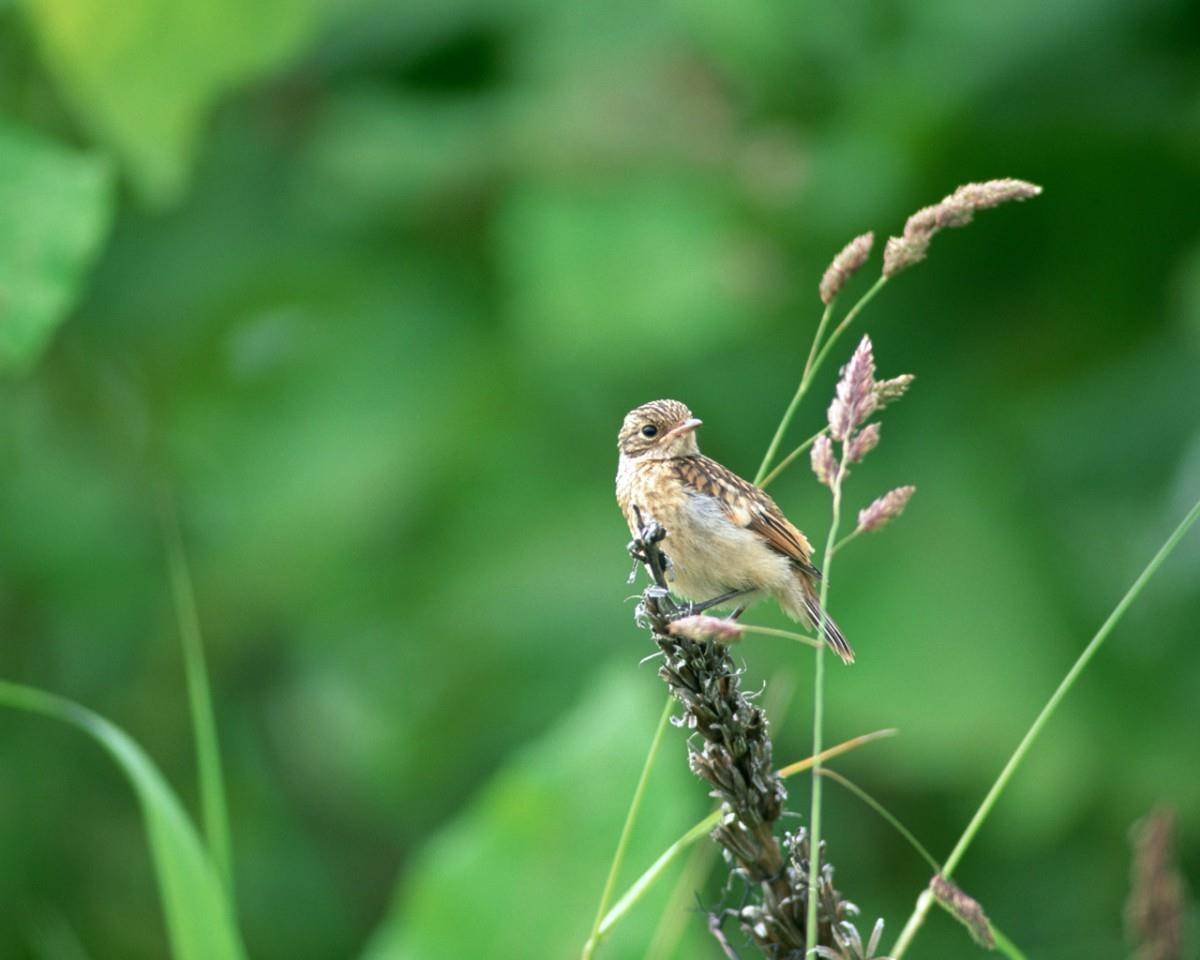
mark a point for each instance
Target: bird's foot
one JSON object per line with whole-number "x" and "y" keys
{"x": 656, "y": 608}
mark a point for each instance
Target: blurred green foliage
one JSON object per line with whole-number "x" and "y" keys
{"x": 371, "y": 286}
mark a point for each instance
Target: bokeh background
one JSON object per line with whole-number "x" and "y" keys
{"x": 370, "y": 287}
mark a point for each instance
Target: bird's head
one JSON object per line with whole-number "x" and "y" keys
{"x": 659, "y": 430}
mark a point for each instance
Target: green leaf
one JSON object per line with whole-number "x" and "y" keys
{"x": 200, "y": 922}
{"x": 520, "y": 872}
{"x": 142, "y": 75}
{"x": 55, "y": 210}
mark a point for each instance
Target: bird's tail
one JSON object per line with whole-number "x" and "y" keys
{"x": 829, "y": 630}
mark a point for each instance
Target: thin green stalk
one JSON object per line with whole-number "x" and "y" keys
{"x": 204, "y": 724}
{"x": 885, "y": 813}
{"x": 1003, "y": 944}
{"x": 630, "y": 818}
{"x": 844, "y": 747}
{"x": 647, "y": 879}
{"x": 787, "y": 461}
{"x": 801, "y": 390}
{"x": 806, "y": 374}
{"x": 846, "y": 539}
{"x": 847, "y": 320}
{"x": 814, "y": 860}
{"x": 816, "y": 357}
{"x": 775, "y": 632}
{"x": 924, "y": 901}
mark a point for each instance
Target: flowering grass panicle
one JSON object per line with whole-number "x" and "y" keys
{"x": 956, "y": 210}
{"x": 852, "y": 256}
{"x": 883, "y": 510}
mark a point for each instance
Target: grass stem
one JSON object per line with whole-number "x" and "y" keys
{"x": 787, "y": 461}
{"x": 801, "y": 390}
{"x": 814, "y": 860}
{"x": 885, "y": 813}
{"x": 847, "y": 320}
{"x": 925, "y": 900}
{"x": 630, "y": 818}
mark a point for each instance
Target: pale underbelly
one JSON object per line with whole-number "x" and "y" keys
{"x": 711, "y": 556}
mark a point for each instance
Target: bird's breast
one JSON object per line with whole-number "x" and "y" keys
{"x": 710, "y": 552}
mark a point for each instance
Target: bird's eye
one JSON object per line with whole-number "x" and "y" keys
{"x": 649, "y": 430}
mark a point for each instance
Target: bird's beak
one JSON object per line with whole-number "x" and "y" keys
{"x": 686, "y": 427}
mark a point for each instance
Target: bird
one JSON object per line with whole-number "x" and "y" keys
{"x": 726, "y": 539}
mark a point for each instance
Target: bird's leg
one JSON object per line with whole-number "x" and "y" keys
{"x": 716, "y": 923}
{"x": 656, "y": 606}
{"x": 717, "y": 601}
{"x": 644, "y": 548}
{"x": 741, "y": 608}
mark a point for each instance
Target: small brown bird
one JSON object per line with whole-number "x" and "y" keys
{"x": 725, "y": 537}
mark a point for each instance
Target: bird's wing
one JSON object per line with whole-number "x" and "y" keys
{"x": 748, "y": 506}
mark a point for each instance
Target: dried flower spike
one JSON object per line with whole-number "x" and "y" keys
{"x": 956, "y": 210}
{"x": 884, "y": 509}
{"x": 1157, "y": 908}
{"x": 852, "y": 256}
{"x": 855, "y": 398}
{"x": 823, "y": 463}
{"x": 700, "y": 627}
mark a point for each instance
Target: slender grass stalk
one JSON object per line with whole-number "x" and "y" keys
{"x": 630, "y": 818}
{"x": 885, "y": 813}
{"x": 925, "y": 900}
{"x": 204, "y": 724}
{"x": 814, "y": 828}
{"x": 647, "y": 879}
{"x": 806, "y": 374}
{"x": 801, "y": 390}
{"x": 846, "y": 539}
{"x": 776, "y": 632}
{"x": 816, "y": 357}
{"x": 1003, "y": 944}
{"x": 787, "y": 461}
{"x": 844, "y": 747}
{"x": 643, "y": 883}
{"x": 847, "y": 320}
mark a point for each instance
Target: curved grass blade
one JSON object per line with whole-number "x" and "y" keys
{"x": 199, "y": 916}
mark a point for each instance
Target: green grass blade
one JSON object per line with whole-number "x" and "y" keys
{"x": 635, "y": 805}
{"x": 204, "y": 725}
{"x": 199, "y": 916}
{"x": 647, "y": 879}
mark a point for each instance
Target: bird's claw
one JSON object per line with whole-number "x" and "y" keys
{"x": 652, "y": 532}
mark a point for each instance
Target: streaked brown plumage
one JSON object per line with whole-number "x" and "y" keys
{"x": 724, "y": 534}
